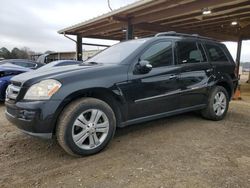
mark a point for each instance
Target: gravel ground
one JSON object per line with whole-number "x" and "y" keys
{"x": 180, "y": 151}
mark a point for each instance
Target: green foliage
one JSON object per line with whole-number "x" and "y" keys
{"x": 15, "y": 53}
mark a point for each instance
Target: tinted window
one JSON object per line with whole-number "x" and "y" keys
{"x": 159, "y": 54}
{"x": 216, "y": 53}
{"x": 189, "y": 53}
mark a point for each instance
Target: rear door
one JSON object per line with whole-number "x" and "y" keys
{"x": 196, "y": 73}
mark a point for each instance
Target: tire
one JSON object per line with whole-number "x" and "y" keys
{"x": 85, "y": 127}
{"x": 210, "y": 111}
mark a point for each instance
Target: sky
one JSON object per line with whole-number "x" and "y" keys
{"x": 34, "y": 23}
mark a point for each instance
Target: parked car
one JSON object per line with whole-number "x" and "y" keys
{"x": 60, "y": 63}
{"x": 7, "y": 71}
{"x": 23, "y": 63}
{"x": 131, "y": 82}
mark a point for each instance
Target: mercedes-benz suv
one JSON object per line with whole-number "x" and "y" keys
{"x": 131, "y": 82}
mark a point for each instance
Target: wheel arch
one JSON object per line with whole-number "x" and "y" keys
{"x": 114, "y": 100}
{"x": 226, "y": 84}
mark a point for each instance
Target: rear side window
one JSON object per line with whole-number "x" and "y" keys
{"x": 188, "y": 52}
{"x": 159, "y": 54}
{"x": 216, "y": 53}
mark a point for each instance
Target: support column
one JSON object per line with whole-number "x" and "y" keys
{"x": 238, "y": 55}
{"x": 78, "y": 48}
{"x": 130, "y": 31}
{"x": 237, "y": 94}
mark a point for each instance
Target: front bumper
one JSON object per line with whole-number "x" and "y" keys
{"x": 36, "y": 118}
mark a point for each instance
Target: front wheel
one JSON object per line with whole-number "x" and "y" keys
{"x": 86, "y": 126}
{"x": 217, "y": 104}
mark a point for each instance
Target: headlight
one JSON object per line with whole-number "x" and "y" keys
{"x": 42, "y": 90}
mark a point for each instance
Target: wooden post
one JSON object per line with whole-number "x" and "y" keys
{"x": 237, "y": 95}
{"x": 130, "y": 31}
{"x": 248, "y": 81}
{"x": 238, "y": 56}
{"x": 78, "y": 48}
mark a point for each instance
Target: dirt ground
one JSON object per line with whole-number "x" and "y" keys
{"x": 180, "y": 151}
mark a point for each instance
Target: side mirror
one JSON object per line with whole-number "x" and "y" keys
{"x": 144, "y": 67}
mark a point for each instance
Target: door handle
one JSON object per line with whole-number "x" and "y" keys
{"x": 172, "y": 76}
{"x": 209, "y": 70}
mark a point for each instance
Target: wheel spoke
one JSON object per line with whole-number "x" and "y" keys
{"x": 93, "y": 116}
{"x": 91, "y": 141}
{"x": 83, "y": 119}
{"x": 102, "y": 130}
{"x": 217, "y": 97}
{"x": 216, "y": 106}
{"x": 219, "y": 111}
{"x": 82, "y": 139}
{"x": 79, "y": 123}
{"x": 79, "y": 135}
{"x": 221, "y": 98}
{"x": 96, "y": 140}
{"x": 223, "y": 105}
{"x": 98, "y": 116}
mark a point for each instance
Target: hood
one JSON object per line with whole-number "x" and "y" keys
{"x": 53, "y": 73}
{"x": 11, "y": 67}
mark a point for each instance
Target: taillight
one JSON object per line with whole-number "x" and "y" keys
{"x": 236, "y": 72}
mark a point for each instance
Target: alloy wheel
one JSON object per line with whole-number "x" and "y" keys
{"x": 220, "y": 103}
{"x": 90, "y": 129}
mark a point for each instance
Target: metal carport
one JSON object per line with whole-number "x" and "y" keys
{"x": 224, "y": 20}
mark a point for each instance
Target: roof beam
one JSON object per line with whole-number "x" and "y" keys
{"x": 157, "y": 28}
{"x": 103, "y": 29}
{"x": 187, "y": 8}
{"x": 161, "y": 5}
{"x": 234, "y": 15}
{"x": 215, "y": 22}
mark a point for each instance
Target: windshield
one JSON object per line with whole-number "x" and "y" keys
{"x": 117, "y": 53}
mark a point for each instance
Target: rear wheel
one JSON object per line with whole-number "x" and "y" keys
{"x": 86, "y": 126}
{"x": 217, "y": 104}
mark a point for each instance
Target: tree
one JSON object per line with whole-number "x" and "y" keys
{"x": 5, "y": 53}
{"x": 19, "y": 54}
{"x": 16, "y": 53}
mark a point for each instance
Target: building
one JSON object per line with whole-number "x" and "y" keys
{"x": 54, "y": 56}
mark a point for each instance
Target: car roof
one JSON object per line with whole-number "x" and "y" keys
{"x": 180, "y": 36}
{"x": 9, "y": 66}
{"x": 21, "y": 60}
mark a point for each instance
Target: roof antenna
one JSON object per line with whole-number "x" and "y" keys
{"x": 109, "y": 5}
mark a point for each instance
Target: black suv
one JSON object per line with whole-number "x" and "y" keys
{"x": 131, "y": 82}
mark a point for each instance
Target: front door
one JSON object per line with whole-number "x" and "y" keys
{"x": 157, "y": 91}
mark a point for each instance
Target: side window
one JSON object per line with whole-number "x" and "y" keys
{"x": 159, "y": 54}
{"x": 216, "y": 53}
{"x": 188, "y": 52}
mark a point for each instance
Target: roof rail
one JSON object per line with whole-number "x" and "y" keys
{"x": 173, "y": 33}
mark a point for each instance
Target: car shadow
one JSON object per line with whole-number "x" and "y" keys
{"x": 166, "y": 122}
{"x": 39, "y": 148}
